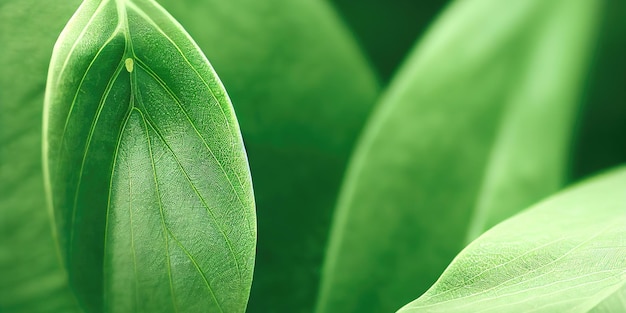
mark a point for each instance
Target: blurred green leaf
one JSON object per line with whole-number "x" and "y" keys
{"x": 145, "y": 166}
{"x": 31, "y": 279}
{"x": 566, "y": 254}
{"x": 302, "y": 92}
{"x": 600, "y": 133}
{"x": 530, "y": 156}
{"x": 615, "y": 303}
{"x": 474, "y": 128}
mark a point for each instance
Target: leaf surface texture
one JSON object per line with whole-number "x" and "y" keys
{"x": 566, "y": 254}
{"x": 145, "y": 166}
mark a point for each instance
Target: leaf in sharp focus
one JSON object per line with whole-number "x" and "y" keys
{"x": 145, "y": 166}
{"x": 475, "y": 126}
{"x": 566, "y": 254}
{"x": 31, "y": 278}
{"x": 302, "y": 91}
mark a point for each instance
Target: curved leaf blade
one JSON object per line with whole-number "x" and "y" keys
{"x": 145, "y": 166}
{"x": 302, "y": 95}
{"x": 32, "y": 279}
{"x": 566, "y": 254}
{"x": 468, "y": 130}
{"x": 529, "y": 157}
{"x": 599, "y": 136}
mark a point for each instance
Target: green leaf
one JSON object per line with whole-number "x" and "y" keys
{"x": 615, "y": 303}
{"x": 530, "y": 156}
{"x": 600, "y": 133}
{"x": 302, "y": 92}
{"x": 566, "y": 254}
{"x": 31, "y": 278}
{"x": 299, "y": 144}
{"x": 474, "y": 128}
{"x": 145, "y": 166}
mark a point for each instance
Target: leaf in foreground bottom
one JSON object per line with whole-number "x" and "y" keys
{"x": 566, "y": 254}
{"x": 473, "y": 129}
{"x": 145, "y": 166}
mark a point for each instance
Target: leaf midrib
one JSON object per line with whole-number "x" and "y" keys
{"x": 135, "y": 104}
{"x": 141, "y": 13}
{"x": 123, "y": 28}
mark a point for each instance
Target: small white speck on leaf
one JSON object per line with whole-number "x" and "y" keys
{"x": 129, "y": 65}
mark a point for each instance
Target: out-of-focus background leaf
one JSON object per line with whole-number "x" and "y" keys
{"x": 31, "y": 279}
{"x": 387, "y": 29}
{"x": 601, "y": 129}
{"x": 301, "y": 91}
{"x": 477, "y": 125}
{"x": 565, "y": 254}
{"x": 615, "y": 303}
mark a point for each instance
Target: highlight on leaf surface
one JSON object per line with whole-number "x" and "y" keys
{"x": 145, "y": 166}
{"x": 565, "y": 254}
{"x": 474, "y": 128}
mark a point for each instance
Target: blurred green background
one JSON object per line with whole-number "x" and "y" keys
{"x": 386, "y": 30}
{"x": 304, "y": 78}
{"x": 599, "y": 142}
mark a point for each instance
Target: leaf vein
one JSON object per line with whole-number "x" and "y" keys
{"x": 195, "y": 263}
{"x": 115, "y": 155}
{"x": 92, "y": 128}
{"x": 158, "y": 195}
{"x": 600, "y": 232}
{"x": 197, "y": 193}
{"x": 171, "y": 93}
{"x": 150, "y": 21}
